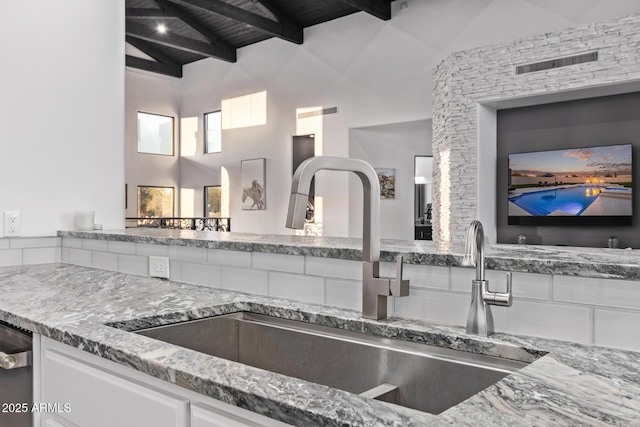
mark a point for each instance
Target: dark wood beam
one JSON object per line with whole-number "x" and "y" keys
{"x": 152, "y": 50}
{"x": 378, "y": 8}
{"x": 154, "y": 67}
{"x": 178, "y": 42}
{"x": 277, "y": 29}
{"x": 135, "y": 12}
{"x": 268, "y": 6}
{"x": 188, "y": 18}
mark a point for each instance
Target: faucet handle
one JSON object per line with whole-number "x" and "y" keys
{"x": 398, "y": 286}
{"x": 503, "y": 299}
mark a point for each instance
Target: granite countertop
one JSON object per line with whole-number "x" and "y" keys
{"x": 572, "y": 261}
{"x": 567, "y": 384}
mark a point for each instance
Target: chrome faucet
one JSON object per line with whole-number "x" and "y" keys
{"x": 480, "y": 320}
{"x": 375, "y": 289}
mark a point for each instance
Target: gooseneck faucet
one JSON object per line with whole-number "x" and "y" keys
{"x": 480, "y": 320}
{"x": 375, "y": 289}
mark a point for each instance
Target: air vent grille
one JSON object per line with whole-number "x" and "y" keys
{"x": 331, "y": 110}
{"x": 557, "y": 63}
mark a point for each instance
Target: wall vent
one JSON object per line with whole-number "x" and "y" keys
{"x": 331, "y": 110}
{"x": 557, "y": 63}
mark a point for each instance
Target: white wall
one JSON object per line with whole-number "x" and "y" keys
{"x": 62, "y": 112}
{"x": 389, "y": 146}
{"x": 157, "y": 94}
{"x": 376, "y": 72}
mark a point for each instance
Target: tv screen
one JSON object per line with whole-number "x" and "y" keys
{"x": 575, "y": 186}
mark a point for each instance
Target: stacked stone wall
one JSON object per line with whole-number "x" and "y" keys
{"x": 487, "y": 74}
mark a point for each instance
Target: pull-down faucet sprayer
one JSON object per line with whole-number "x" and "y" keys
{"x": 376, "y": 289}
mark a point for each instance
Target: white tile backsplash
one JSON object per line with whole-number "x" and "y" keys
{"x": 344, "y": 293}
{"x": 10, "y": 257}
{"x": 525, "y": 285}
{"x": 41, "y": 255}
{"x": 278, "y": 262}
{"x": 122, "y": 247}
{"x": 188, "y": 254}
{"x": 200, "y": 274}
{"x": 545, "y": 319}
{"x": 297, "y": 286}
{"x": 426, "y": 276}
{"x": 71, "y": 242}
{"x": 244, "y": 280}
{"x": 147, "y": 249}
{"x": 229, "y": 258}
{"x": 133, "y": 264}
{"x": 104, "y": 260}
{"x": 585, "y": 310}
{"x": 80, "y": 257}
{"x": 438, "y": 306}
{"x": 611, "y": 293}
{"x": 617, "y": 328}
{"x": 335, "y": 268}
{"x": 34, "y": 242}
{"x": 461, "y": 278}
{"x": 4, "y": 243}
{"x": 95, "y": 245}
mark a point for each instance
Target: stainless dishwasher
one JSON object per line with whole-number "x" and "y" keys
{"x": 16, "y": 377}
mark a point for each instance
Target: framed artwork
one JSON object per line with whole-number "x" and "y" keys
{"x": 253, "y": 184}
{"x": 387, "y": 178}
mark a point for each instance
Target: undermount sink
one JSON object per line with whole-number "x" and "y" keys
{"x": 427, "y": 378}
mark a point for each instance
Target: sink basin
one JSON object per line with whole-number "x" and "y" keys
{"x": 427, "y": 378}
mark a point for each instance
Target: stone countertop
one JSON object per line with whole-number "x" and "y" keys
{"x": 570, "y": 384}
{"x": 572, "y": 261}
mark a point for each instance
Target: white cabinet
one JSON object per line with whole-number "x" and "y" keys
{"x": 96, "y": 398}
{"x": 209, "y": 416}
{"x": 101, "y": 393}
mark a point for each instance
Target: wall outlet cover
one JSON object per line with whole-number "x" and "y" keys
{"x": 159, "y": 267}
{"x": 11, "y": 223}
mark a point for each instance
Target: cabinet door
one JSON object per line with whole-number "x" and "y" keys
{"x": 98, "y": 398}
{"x": 208, "y": 416}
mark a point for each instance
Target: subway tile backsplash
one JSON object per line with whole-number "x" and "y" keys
{"x": 584, "y": 310}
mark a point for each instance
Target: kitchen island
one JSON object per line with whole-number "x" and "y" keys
{"x": 572, "y": 261}
{"x": 566, "y": 383}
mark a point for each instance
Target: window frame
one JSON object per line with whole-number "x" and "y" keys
{"x": 173, "y": 134}
{"x": 206, "y": 131}
{"x": 173, "y": 200}
{"x": 206, "y": 199}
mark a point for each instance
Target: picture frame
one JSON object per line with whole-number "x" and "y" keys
{"x": 387, "y": 180}
{"x": 253, "y": 184}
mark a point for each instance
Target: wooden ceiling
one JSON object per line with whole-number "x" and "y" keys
{"x": 198, "y": 29}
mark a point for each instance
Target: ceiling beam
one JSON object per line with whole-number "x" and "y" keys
{"x": 153, "y": 66}
{"x": 152, "y": 50}
{"x": 277, "y": 29}
{"x": 178, "y": 42}
{"x": 378, "y": 8}
{"x": 135, "y": 12}
{"x": 188, "y": 18}
{"x": 268, "y": 6}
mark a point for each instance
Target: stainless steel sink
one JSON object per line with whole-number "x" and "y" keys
{"x": 422, "y": 377}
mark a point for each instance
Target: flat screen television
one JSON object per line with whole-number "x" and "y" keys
{"x": 574, "y": 186}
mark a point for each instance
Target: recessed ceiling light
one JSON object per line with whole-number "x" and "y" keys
{"x": 161, "y": 28}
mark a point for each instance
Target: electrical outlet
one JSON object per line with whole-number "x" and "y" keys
{"x": 11, "y": 223}
{"x": 159, "y": 267}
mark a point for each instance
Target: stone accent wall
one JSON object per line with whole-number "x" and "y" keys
{"x": 466, "y": 79}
